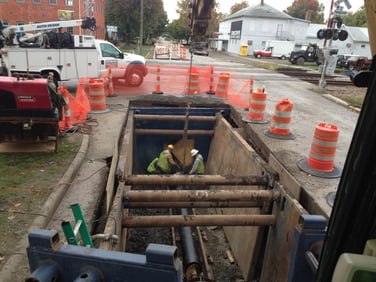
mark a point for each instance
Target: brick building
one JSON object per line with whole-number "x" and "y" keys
{"x": 16, "y": 12}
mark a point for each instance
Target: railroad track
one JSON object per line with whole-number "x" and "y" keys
{"x": 314, "y": 77}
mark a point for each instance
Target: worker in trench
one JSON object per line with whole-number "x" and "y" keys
{"x": 198, "y": 166}
{"x": 165, "y": 163}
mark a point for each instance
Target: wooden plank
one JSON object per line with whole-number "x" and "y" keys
{"x": 281, "y": 238}
{"x": 237, "y": 157}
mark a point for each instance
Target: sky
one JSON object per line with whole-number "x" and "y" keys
{"x": 225, "y": 5}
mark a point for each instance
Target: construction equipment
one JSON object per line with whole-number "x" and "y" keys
{"x": 27, "y": 113}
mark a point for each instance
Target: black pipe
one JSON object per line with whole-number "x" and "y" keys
{"x": 352, "y": 221}
{"x": 191, "y": 258}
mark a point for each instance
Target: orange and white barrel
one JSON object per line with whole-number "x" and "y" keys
{"x": 257, "y": 105}
{"x": 193, "y": 87}
{"x": 280, "y": 124}
{"x": 97, "y": 96}
{"x": 223, "y": 85}
{"x": 320, "y": 161}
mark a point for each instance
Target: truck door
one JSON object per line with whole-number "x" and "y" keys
{"x": 110, "y": 56}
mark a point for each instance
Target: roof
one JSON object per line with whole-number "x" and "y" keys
{"x": 260, "y": 11}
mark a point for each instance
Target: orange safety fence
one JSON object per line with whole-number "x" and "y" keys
{"x": 173, "y": 80}
{"x": 79, "y": 107}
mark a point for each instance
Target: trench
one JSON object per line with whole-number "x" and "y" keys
{"x": 160, "y": 211}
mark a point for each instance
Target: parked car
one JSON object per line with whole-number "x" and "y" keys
{"x": 356, "y": 62}
{"x": 200, "y": 48}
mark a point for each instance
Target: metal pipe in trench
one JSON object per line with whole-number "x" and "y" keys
{"x": 174, "y": 118}
{"x": 198, "y": 220}
{"x": 183, "y": 179}
{"x": 192, "y": 204}
{"x": 173, "y": 132}
{"x": 199, "y": 195}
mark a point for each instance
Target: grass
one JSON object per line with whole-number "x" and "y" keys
{"x": 26, "y": 181}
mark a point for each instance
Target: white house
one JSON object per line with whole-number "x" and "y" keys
{"x": 257, "y": 24}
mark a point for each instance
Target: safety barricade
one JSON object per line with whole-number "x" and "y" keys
{"x": 257, "y": 105}
{"x": 320, "y": 161}
{"x": 184, "y": 54}
{"x": 110, "y": 86}
{"x": 223, "y": 85}
{"x": 280, "y": 124}
{"x": 97, "y": 96}
{"x": 161, "y": 52}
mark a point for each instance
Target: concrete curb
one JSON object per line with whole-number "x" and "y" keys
{"x": 8, "y": 271}
{"x": 341, "y": 102}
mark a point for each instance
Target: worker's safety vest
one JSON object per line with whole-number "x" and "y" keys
{"x": 163, "y": 163}
{"x": 151, "y": 167}
{"x": 201, "y": 167}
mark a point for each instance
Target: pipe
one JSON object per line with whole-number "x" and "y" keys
{"x": 192, "y": 263}
{"x": 192, "y": 204}
{"x": 200, "y": 195}
{"x": 44, "y": 273}
{"x": 183, "y": 179}
{"x": 198, "y": 220}
{"x": 173, "y": 132}
{"x": 173, "y": 118}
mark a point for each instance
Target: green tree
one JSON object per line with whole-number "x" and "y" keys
{"x": 358, "y": 18}
{"x": 126, "y": 15}
{"x": 238, "y": 6}
{"x": 307, "y": 9}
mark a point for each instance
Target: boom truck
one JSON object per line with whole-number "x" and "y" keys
{"x": 68, "y": 56}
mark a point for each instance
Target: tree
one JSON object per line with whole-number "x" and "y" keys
{"x": 358, "y": 18}
{"x": 126, "y": 15}
{"x": 307, "y": 9}
{"x": 238, "y": 6}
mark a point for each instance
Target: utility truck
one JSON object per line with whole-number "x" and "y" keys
{"x": 277, "y": 49}
{"x": 69, "y": 57}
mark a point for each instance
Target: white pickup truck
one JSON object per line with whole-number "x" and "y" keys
{"x": 85, "y": 57}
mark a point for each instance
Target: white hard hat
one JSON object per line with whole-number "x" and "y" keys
{"x": 194, "y": 152}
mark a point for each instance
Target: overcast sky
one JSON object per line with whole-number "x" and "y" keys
{"x": 225, "y": 5}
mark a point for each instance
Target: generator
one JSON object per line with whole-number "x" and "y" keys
{"x": 27, "y": 114}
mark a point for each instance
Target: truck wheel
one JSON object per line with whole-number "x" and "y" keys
{"x": 283, "y": 57}
{"x": 258, "y": 56}
{"x": 300, "y": 61}
{"x": 134, "y": 78}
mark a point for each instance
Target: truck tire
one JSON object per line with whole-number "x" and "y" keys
{"x": 300, "y": 61}
{"x": 134, "y": 77}
{"x": 283, "y": 57}
{"x": 258, "y": 56}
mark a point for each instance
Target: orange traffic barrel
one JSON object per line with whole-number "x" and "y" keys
{"x": 320, "y": 161}
{"x": 257, "y": 105}
{"x": 223, "y": 85}
{"x": 280, "y": 124}
{"x": 97, "y": 96}
{"x": 193, "y": 87}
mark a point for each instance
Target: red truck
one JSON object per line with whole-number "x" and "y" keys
{"x": 358, "y": 63}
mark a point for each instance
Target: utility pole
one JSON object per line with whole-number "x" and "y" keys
{"x": 141, "y": 26}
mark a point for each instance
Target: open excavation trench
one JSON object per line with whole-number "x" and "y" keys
{"x": 229, "y": 223}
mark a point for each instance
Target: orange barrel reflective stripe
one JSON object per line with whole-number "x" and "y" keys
{"x": 193, "y": 87}
{"x": 223, "y": 85}
{"x": 97, "y": 96}
{"x": 280, "y": 124}
{"x": 321, "y": 157}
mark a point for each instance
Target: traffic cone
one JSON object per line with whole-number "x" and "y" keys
{"x": 110, "y": 83}
{"x": 211, "y": 86}
{"x": 158, "y": 83}
{"x": 320, "y": 161}
{"x": 257, "y": 105}
{"x": 281, "y": 119}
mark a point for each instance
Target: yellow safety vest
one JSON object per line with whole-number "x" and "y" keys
{"x": 163, "y": 163}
